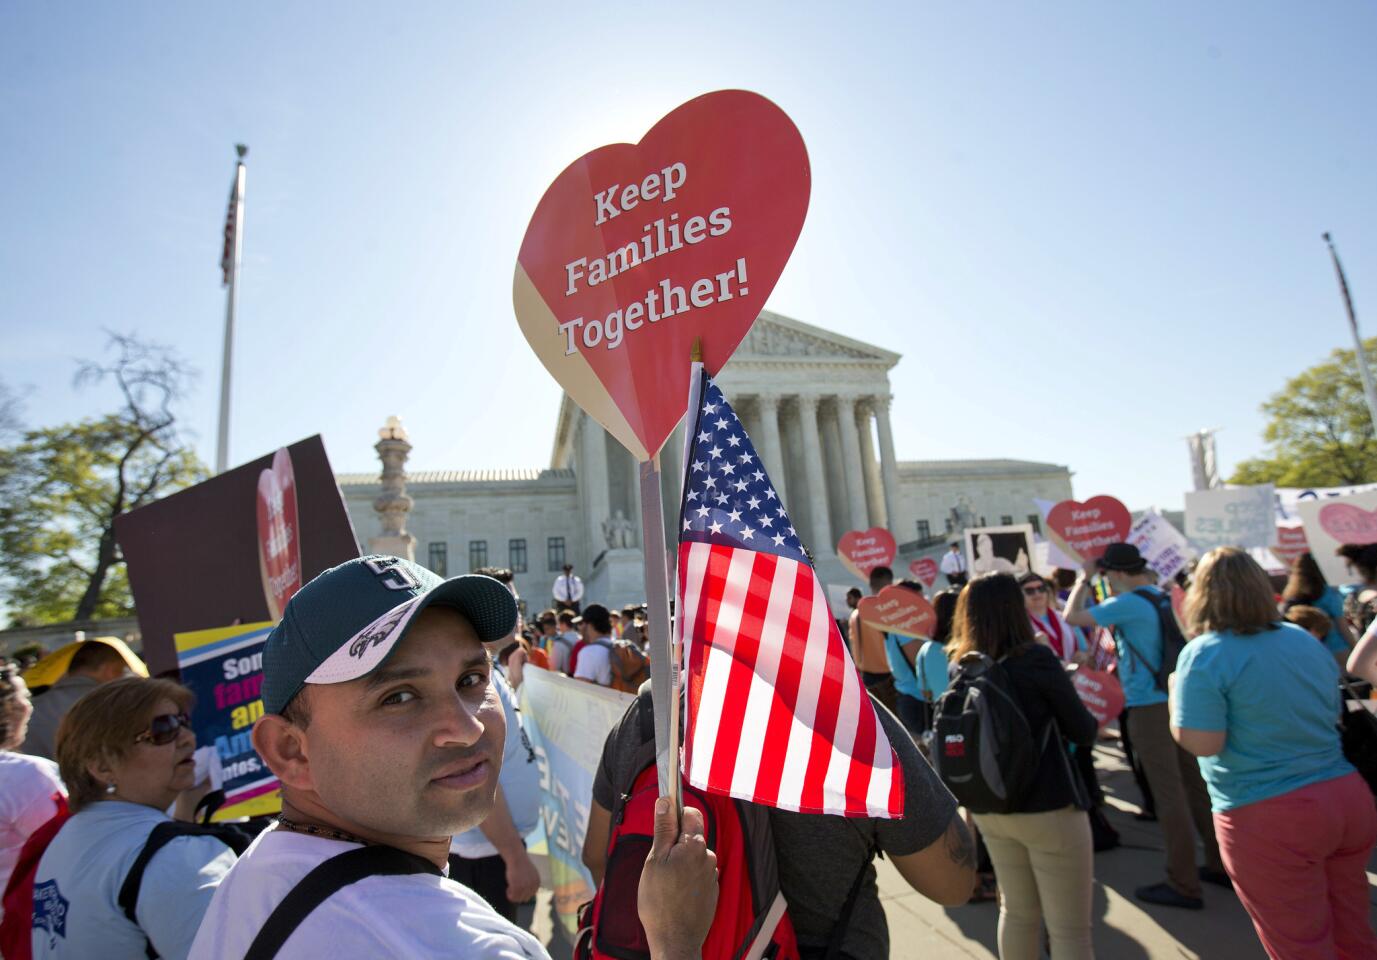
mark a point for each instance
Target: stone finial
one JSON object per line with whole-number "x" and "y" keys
{"x": 393, "y": 504}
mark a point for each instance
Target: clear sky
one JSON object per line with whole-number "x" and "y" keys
{"x": 1090, "y": 228}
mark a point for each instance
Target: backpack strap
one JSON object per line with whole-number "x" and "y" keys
{"x": 834, "y": 942}
{"x": 323, "y": 882}
{"x": 159, "y": 837}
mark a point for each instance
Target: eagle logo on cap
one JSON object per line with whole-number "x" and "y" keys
{"x": 377, "y": 631}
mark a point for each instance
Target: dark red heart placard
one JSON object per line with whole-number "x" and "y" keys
{"x": 925, "y": 570}
{"x": 897, "y": 609}
{"x": 279, "y": 534}
{"x": 861, "y": 551}
{"x": 1084, "y": 530}
{"x": 637, "y": 249}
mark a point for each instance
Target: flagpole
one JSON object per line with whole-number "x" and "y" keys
{"x": 1361, "y": 355}
{"x": 231, "y": 306}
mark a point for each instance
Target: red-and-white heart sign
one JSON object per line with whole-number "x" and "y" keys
{"x": 1100, "y": 692}
{"x": 897, "y": 609}
{"x": 279, "y": 534}
{"x": 861, "y": 551}
{"x": 1291, "y": 543}
{"x": 1084, "y": 530}
{"x": 925, "y": 570}
{"x": 636, "y": 250}
{"x": 1347, "y": 523}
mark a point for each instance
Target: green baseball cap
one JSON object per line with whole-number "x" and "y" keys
{"x": 344, "y": 623}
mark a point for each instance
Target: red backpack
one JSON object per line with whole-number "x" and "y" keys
{"x": 752, "y": 919}
{"x": 16, "y": 930}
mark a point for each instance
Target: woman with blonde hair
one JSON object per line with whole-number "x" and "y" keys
{"x": 1257, "y": 700}
{"x": 125, "y": 753}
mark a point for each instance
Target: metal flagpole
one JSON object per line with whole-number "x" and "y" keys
{"x": 231, "y": 305}
{"x": 1363, "y": 371}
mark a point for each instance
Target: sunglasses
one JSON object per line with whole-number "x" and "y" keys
{"x": 164, "y": 729}
{"x": 1033, "y": 591}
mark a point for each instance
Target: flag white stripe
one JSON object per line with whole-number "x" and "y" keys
{"x": 810, "y": 685}
{"x": 687, "y": 616}
{"x": 722, "y": 644}
{"x": 761, "y": 696}
{"x": 844, "y": 734}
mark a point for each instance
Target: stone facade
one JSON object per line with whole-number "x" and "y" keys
{"x": 816, "y": 405}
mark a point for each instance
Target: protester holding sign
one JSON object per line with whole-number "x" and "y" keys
{"x": 125, "y": 754}
{"x": 1360, "y": 606}
{"x": 1139, "y": 611}
{"x": 901, "y": 653}
{"x": 1049, "y": 627}
{"x": 1296, "y": 822}
{"x": 868, "y": 647}
{"x": 1307, "y": 587}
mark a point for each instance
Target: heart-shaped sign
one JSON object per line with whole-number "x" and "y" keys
{"x": 636, "y": 250}
{"x": 279, "y": 534}
{"x": 1083, "y": 530}
{"x": 861, "y": 551}
{"x": 925, "y": 570}
{"x": 897, "y": 609}
{"x": 1349, "y": 524}
{"x": 1291, "y": 543}
{"x": 1100, "y": 692}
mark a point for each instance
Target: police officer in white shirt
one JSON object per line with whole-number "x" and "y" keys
{"x": 568, "y": 590}
{"x": 384, "y": 727}
{"x": 954, "y": 566}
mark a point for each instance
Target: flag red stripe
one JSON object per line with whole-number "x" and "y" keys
{"x": 825, "y": 723}
{"x": 776, "y": 750}
{"x": 709, "y": 602}
{"x": 745, "y": 651}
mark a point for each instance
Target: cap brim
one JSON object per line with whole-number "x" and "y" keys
{"x": 487, "y": 605}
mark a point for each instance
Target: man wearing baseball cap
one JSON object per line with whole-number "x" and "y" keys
{"x": 1136, "y": 613}
{"x": 383, "y": 726}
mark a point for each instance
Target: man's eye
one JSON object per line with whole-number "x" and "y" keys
{"x": 399, "y": 696}
{"x": 473, "y": 679}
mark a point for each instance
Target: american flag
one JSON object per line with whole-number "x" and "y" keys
{"x": 777, "y": 713}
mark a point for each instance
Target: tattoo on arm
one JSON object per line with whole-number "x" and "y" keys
{"x": 960, "y": 849}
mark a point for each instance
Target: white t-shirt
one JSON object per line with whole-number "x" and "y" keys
{"x": 560, "y": 649}
{"x": 410, "y": 917}
{"x": 27, "y": 785}
{"x": 595, "y": 663}
{"x": 953, "y": 562}
{"x": 568, "y": 589}
{"x": 520, "y": 779}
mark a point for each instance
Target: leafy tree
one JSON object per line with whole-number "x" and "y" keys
{"x": 62, "y": 487}
{"x": 1320, "y": 432}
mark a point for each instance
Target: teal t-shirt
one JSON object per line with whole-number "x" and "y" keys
{"x": 905, "y": 680}
{"x": 1276, "y": 695}
{"x": 1332, "y": 603}
{"x": 932, "y": 670}
{"x": 1136, "y": 622}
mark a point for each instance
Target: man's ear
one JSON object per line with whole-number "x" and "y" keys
{"x": 282, "y": 745}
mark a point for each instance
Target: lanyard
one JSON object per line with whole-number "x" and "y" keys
{"x": 1053, "y": 629}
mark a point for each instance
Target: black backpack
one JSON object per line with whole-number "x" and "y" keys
{"x": 983, "y": 747}
{"x": 1173, "y": 641}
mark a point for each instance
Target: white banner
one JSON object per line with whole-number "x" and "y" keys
{"x": 568, "y": 722}
{"x": 1231, "y": 517}
{"x": 1162, "y": 545}
{"x": 1334, "y": 521}
{"x": 1289, "y": 499}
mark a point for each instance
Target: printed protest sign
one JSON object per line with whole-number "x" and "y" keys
{"x": 1100, "y": 692}
{"x": 1054, "y": 558}
{"x": 1007, "y": 549}
{"x": 1231, "y": 517}
{"x": 234, "y": 547}
{"x": 224, "y": 668}
{"x": 1291, "y": 542}
{"x": 637, "y": 249}
{"x": 1082, "y": 531}
{"x": 1289, "y": 499}
{"x": 567, "y": 722}
{"x": 1331, "y": 522}
{"x": 925, "y": 570}
{"x": 897, "y": 609}
{"x": 861, "y": 551}
{"x": 1165, "y": 548}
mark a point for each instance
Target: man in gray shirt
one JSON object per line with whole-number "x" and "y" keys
{"x": 93, "y": 663}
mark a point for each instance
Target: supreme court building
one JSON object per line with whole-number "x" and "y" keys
{"x": 815, "y": 403}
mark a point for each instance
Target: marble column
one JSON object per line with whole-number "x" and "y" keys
{"x": 820, "y": 540}
{"x": 855, "y": 465}
{"x": 769, "y": 447}
{"x": 889, "y": 467}
{"x": 874, "y": 487}
{"x": 592, "y": 477}
{"x": 834, "y": 466}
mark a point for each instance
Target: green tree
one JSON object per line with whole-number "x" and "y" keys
{"x": 1320, "y": 432}
{"x": 62, "y": 487}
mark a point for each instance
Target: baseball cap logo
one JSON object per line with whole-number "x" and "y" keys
{"x": 378, "y": 631}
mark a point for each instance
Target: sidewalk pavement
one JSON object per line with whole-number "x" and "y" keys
{"x": 1125, "y": 928}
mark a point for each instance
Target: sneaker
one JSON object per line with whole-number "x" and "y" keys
{"x": 1164, "y": 895}
{"x": 1217, "y": 877}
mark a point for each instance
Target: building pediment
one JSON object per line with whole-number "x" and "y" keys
{"x": 777, "y": 337}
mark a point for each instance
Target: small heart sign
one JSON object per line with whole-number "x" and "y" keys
{"x": 861, "y": 551}
{"x": 897, "y": 609}
{"x": 279, "y": 534}
{"x": 1083, "y": 530}
{"x": 636, "y": 250}
{"x": 1100, "y": 692}
{"x": 1291, "y": 543}
{"x": 925, "y": 570}
{"x": 1349, "y": 524}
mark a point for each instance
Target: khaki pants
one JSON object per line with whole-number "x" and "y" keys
{"x": 1180, "y": 794}
{"x": 1044, "y": 865}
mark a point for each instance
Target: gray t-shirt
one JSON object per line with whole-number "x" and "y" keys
{"x": 819, "y": 856}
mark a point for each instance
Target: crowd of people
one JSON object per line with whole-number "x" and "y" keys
{"x": 409, "y": 781}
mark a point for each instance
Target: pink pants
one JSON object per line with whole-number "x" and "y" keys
{"x": 1298, "y": 862}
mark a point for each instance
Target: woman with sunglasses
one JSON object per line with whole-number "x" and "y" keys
{"x": 125, "y": 753}
{"x": 1065, "y": 640}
